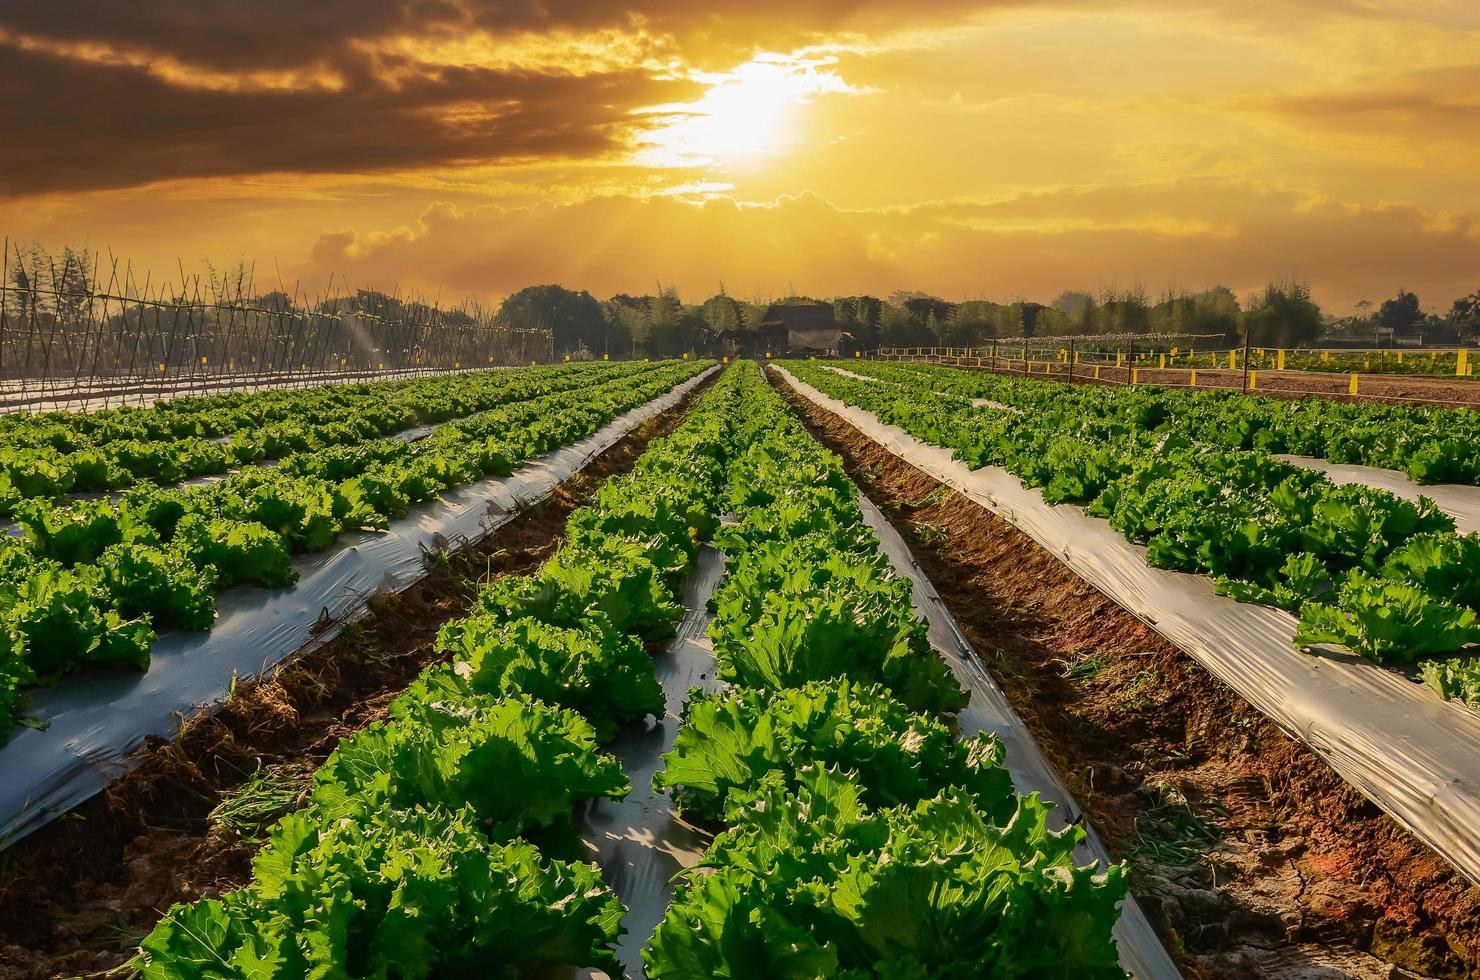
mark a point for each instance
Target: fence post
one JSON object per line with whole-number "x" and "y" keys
{"x": 1462, "y": 361}
{"x": 1246, "y": 362}
{"x": 1352, "y": 387}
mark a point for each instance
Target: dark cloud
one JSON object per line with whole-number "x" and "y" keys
{"x": 79, "y": 125}
{"x": 294, "y": 33}
{"x": 230, "y": 33}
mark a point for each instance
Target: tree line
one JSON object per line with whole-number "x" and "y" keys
{"x": 1282, "y": 314}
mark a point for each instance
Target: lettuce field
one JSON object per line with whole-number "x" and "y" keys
{"x": 491, "y": 771}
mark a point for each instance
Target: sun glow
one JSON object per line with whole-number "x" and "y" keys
{"x": 748, "y": 114}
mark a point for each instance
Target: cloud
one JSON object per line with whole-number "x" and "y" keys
{"x": 290, "y": 33}
{"x": 1194, "y": 235}
{"x": 80, "y": 125}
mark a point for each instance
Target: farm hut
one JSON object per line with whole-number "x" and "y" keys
{"x": 805, "y": 328}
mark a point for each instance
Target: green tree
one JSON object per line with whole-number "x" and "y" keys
{"x": 858, "y": 316}
{"x": 1125, "y": 311}
{"x": 1284, "y": 315}
{"x": 1464, "y": 315}
{"x": 1401, "y": 314}
{"x": 722, "y": 315}
{"x": 897, "y": 328}
{"x": 575, "y": 318}
{"x": 1073, "y": 303}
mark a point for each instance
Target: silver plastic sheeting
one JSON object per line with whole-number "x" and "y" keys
{"x": 1410, "y": 752}
{"x": 1458, "y": 501}
{"x": 1141, "y": 952}
{"x": 640, "y": 843}
{"x": 95, "y": 719}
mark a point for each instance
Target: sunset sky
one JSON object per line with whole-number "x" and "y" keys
{"x": 999, "y": 150}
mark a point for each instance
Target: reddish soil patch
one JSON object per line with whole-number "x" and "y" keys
{"x": 79, "y": 894}
{"x": 1250, "y": 855}
{"x": 1389, "y": 388}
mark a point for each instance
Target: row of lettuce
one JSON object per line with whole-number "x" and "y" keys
{"x": 1430, "y": 445}
{"x": 46, "y": 456}
{"x": 90, "y": 582}
{"x": 1383, "y": 577}
{"x": 862, "y": 838}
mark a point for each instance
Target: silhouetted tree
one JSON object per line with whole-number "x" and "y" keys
{"x": 575, "y": 318}
{"x": 1283, "y": 316}
{"x": 1401, "y": 314}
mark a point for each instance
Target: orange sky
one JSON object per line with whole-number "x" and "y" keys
{"x": 1000, "y": 149}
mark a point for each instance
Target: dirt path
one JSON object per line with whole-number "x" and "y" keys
{"x": 1252, "y": 858}
{"x": 79, "y": 894}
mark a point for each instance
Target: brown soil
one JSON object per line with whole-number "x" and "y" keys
{"x": 1296, "y": 875}
{"x": 1389, "y": 388}
{"x": 79, "y": 894}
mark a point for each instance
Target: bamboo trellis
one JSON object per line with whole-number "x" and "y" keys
{"x": 76, "y": 333}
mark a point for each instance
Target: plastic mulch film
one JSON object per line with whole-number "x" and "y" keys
{"x": 1410, "y": 752}
{"x": 1458, "y": 501}
{"x": 1141, "y": 952}
{"x": 94, "y": 720}
{"x": 640, "y": 843}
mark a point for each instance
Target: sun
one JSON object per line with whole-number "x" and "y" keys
{"x": 748, "y": 114}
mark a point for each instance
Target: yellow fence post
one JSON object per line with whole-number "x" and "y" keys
{"x": 1400, "y": 357}
{"x": 1325, "y": 357}
{"x": 1253, "y": 380}
{"x": 1352, "y": 388}
{"x": 1192, "y": 379}
{"x": 1231, "y": 364}
{"x": 1120, "y": 358}
{"x": 1462, "y": 361}
{"x": 1161, "y": 360}
{"x": 1280, "y": 359}
{"x": 1097, "y": 372}
{"x": 1135, "y": 375}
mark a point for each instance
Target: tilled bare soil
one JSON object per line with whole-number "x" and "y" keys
{"x": 78, "y": 895}
{"x": 1251, "y": 856}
